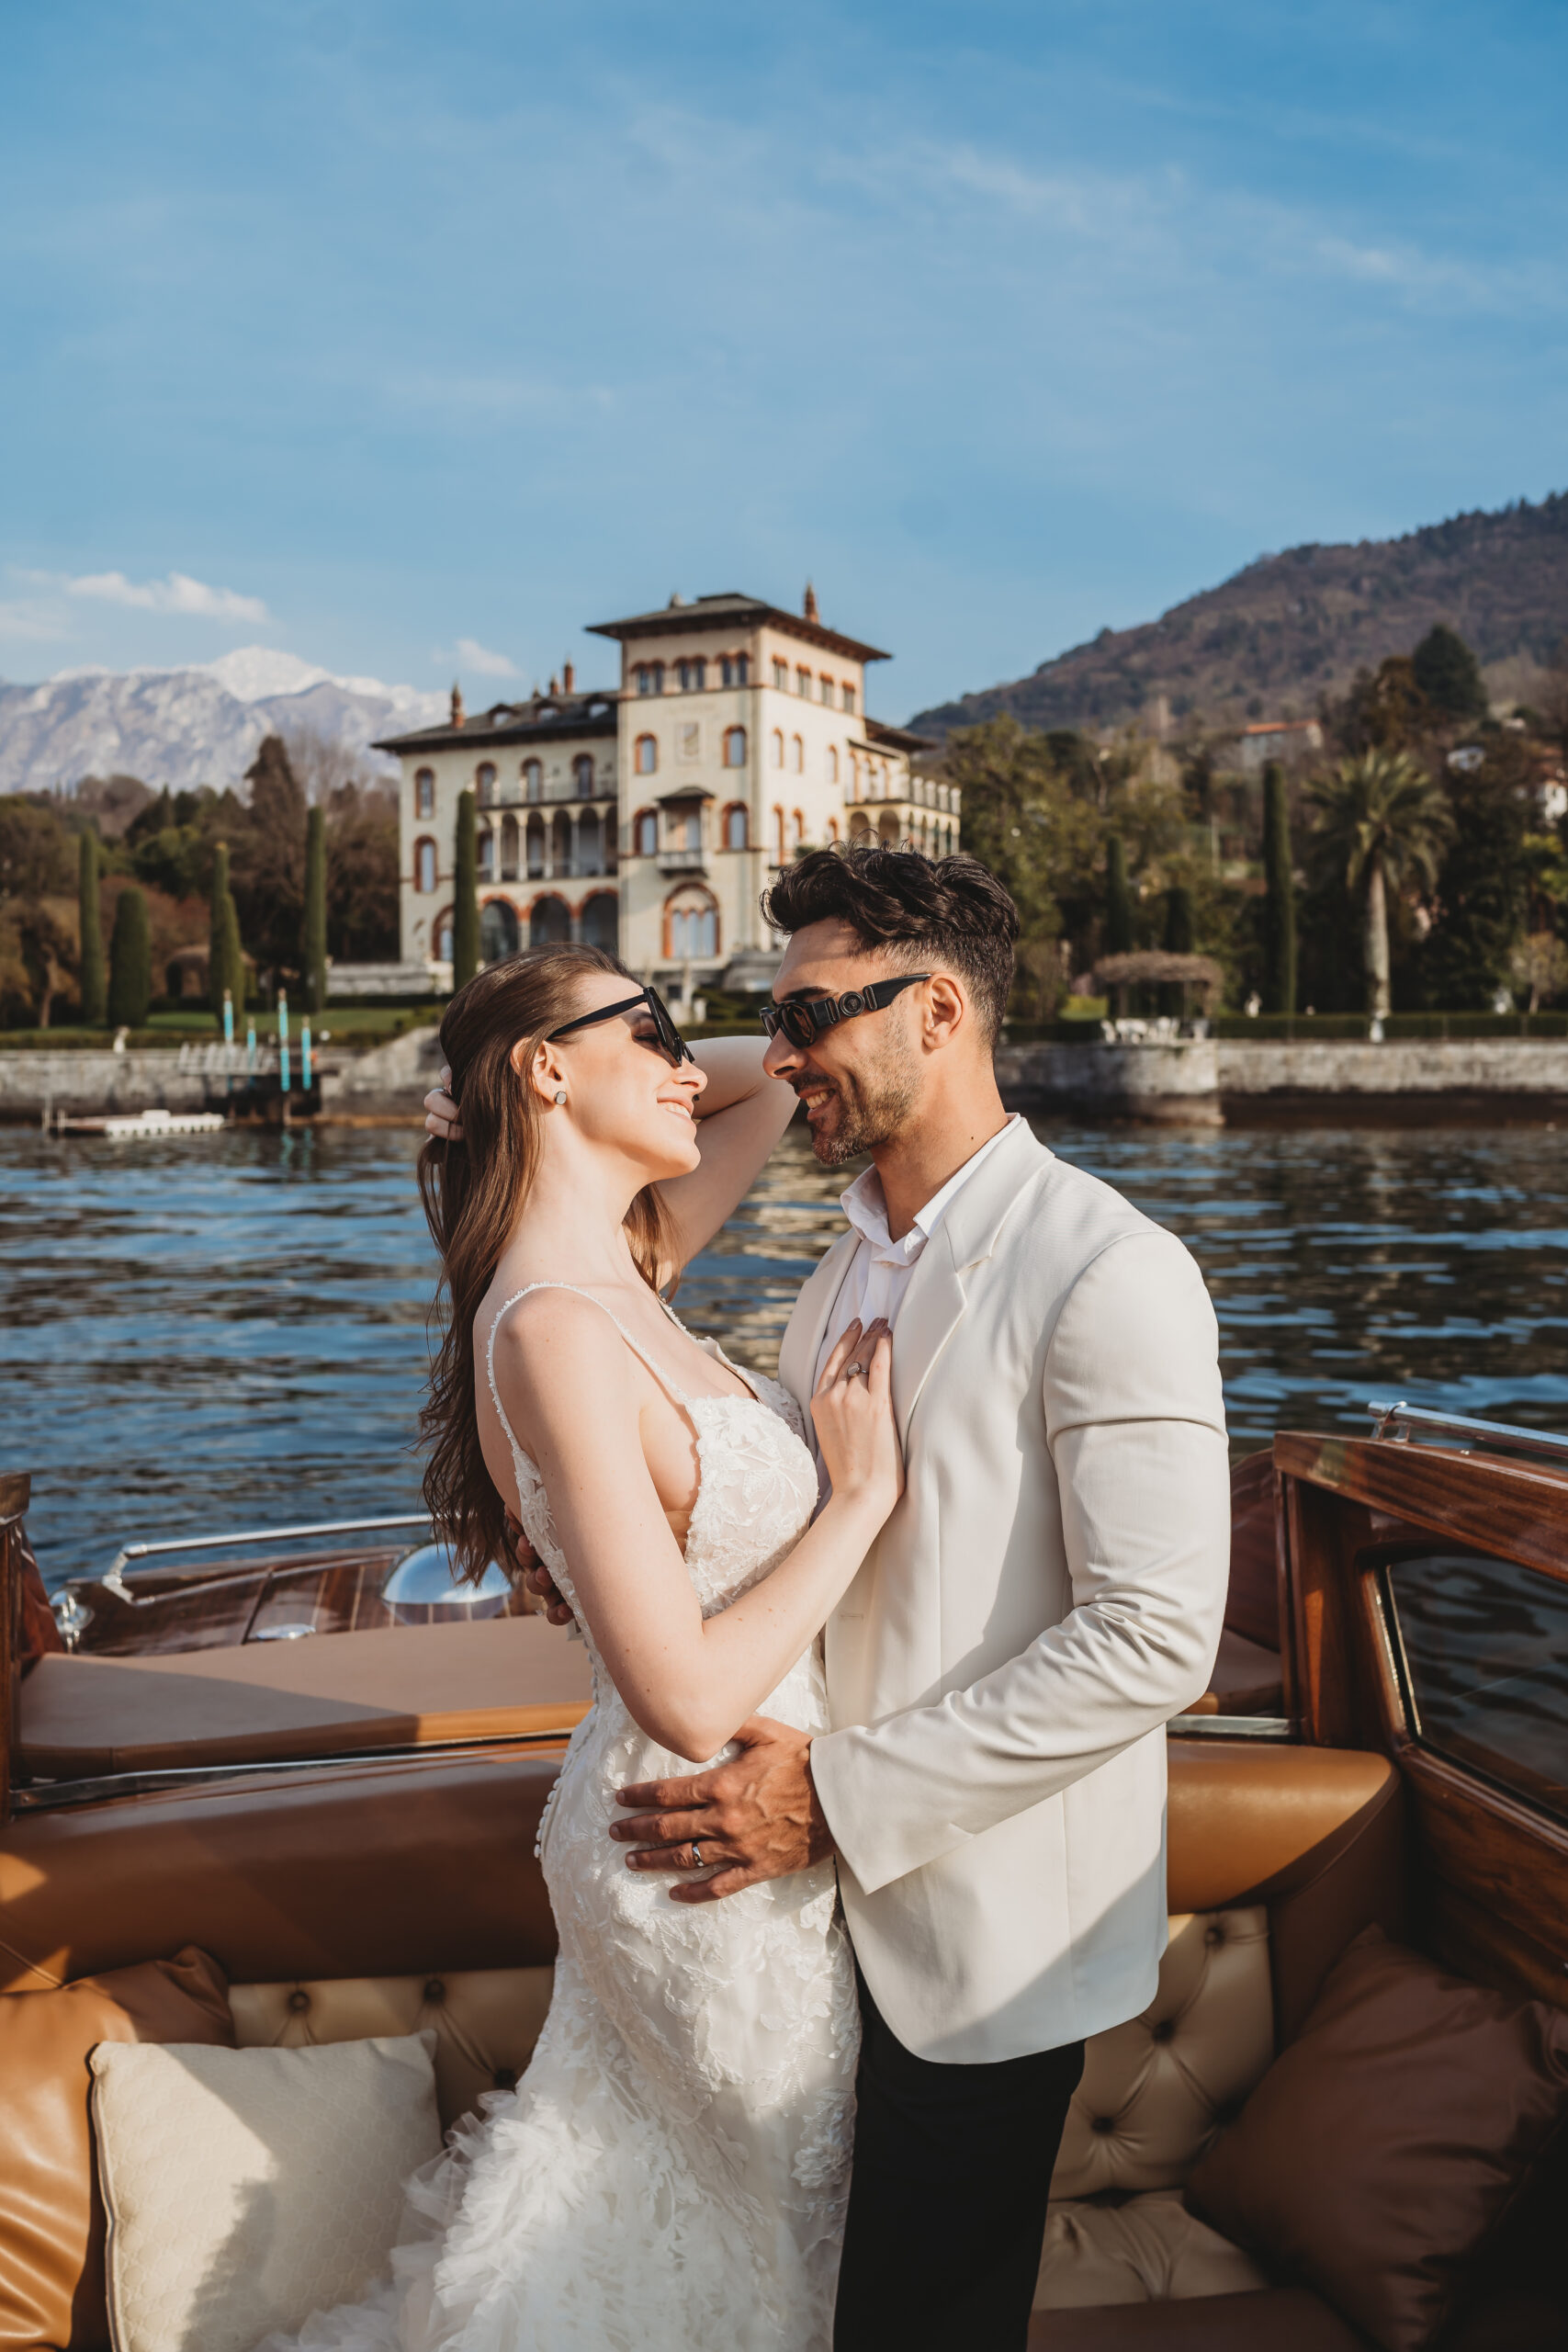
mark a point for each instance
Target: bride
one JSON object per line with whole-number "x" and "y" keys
{"x": 671, "y": 2170}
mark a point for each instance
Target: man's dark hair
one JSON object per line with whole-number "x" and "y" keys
{"x": 949, "y": 910}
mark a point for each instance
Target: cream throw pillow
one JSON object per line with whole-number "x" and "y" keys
{"x": 246, "y": 2189}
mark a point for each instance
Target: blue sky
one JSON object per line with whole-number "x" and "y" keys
{"x": 411, "y": 338}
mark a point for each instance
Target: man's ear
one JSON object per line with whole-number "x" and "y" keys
{"x": 544, "y": 1070}
{"x": 945, "y": 1013}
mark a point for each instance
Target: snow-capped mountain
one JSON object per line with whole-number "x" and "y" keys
{"x": 199, "y": 726}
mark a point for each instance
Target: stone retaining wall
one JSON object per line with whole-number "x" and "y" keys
{"x": 1190, "y": 1080}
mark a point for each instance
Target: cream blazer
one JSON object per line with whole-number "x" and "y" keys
{"x": 1048, "y": 1592}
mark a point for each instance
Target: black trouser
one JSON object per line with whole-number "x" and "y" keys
{"x": 947, "y": 2199}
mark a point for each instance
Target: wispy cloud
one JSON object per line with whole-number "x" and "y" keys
{"x": 481, "y": 662}
{"x": 178, "y": 594}
{"x": 29, "y": 620}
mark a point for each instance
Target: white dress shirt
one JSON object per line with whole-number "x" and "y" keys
{"x": 879, "y": 1272}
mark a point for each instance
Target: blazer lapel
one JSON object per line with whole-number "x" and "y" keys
{"x": 966, "y": 1235}
{"x": 808, "y": 1320}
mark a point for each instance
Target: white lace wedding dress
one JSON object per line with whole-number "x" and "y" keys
{"x": 671, "y": 2173}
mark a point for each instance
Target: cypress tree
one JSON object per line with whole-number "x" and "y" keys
{"x": 465, "y": 894}
{"x": 1179, "y": 929}
{"x": 1118, "y": 899}
{"x": 227, "y": 958}
{"x": 130, "y": 962}
{"x": 1448, "y": 674}
{"x": 314, "y": 934}
{"x": 92, "y": 996}
{"x": 1279, "y": 901}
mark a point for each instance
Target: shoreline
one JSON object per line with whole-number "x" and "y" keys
{"x": 1183, "y": 1081}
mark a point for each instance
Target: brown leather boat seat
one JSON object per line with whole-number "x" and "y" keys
{"x": 272, "y": 1702}
{"x": 1278, "y": 2319}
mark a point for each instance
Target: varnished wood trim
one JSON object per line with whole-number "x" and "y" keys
{"x": 1509, "y": 1507}
{"x": 15, "y": 1493}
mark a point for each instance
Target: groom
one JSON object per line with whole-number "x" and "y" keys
{"x": 1048, "y": 1591}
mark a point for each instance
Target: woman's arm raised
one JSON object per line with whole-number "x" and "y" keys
{"x": 741, "y": 1114}
{"x": 572, "y": 1394}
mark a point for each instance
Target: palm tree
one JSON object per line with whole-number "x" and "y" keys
{"x": 1383, "y": 815}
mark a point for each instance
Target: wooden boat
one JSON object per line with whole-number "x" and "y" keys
{"x": 346, "y": 1825}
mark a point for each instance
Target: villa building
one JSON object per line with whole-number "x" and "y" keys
{"x": 649, "y": 818}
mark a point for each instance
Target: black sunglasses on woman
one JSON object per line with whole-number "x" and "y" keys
{"x": 666, "y": 1039}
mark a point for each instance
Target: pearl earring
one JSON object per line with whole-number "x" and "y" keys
{"x": 560, "y": 1095}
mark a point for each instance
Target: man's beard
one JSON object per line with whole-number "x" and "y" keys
{"x": 870, "y": 1110}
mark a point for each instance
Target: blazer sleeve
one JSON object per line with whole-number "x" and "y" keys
{"x": 1134, "y": 1420}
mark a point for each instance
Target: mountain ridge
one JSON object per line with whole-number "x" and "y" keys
{"x": 200, "y": 724}
{"x": 1287, "y": 630}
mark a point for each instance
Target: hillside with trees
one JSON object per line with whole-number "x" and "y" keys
{"x": 1418, "y": 864}
{"x": 1292, "y": 631}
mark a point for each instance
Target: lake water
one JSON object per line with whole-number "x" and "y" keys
{"x": 231, "y": 1333}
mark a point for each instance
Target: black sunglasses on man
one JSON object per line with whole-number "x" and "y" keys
{"x": 666, "y": 1039}
{"x": 804, "y": 1018}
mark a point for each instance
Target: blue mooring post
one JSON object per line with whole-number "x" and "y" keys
{"x": 305, "y": 1055}
{"x": 228, "y": 1018}
{"x": 283, "y": 1040}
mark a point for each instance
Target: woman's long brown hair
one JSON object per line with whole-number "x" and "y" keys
{"x": 472, "y": 1191}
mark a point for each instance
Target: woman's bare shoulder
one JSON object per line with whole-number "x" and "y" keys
{"x": 554, "y": 1345}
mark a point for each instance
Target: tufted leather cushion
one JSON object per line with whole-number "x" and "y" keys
{"x": 1155, "y": 2091}
{"x": 52, "y": 2222}
{"x": 486, "y": 2021}
{"x": 1147, "y": 2250}
{"x": 247, "y": 2188}
{"x": 1385, "y": 2143}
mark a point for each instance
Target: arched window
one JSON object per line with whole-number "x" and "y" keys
{"x": 590, "y": 859}
{"x": 736, "y": 669}
{"x": 888, "y": 828}
{"x": 825, "y": 689}
{"x": 424, "y": 793}
{"x": 600, "y": 924}
{"x": 485, "y": 852}
{"x": 535, "y": 848}
{"x": 485, "y": 779}
{"x": 561, "y": 844}
{"x": 796, "y": 755}
{"x": 644, "y": 833}
{"x": 444, "y": 936}
{"x": 509, "y": 849}
{"x": 500, "y": 936}
{"x": 694, "y": 676}
{"x": 833, "y": 829}
{"x": 550, "y": 923}
{"x": 736, "y": 832}
{"x": 779, "y": 841}
{"x": 533, "y": 780}
{"x": 424, "y": 865}
{"x": 775, "y": 746}
{"x": 781, "y": 675}
{"x": 849, "y": 697}
{"x": 650, "y": 677}
{"x": 645, "y": 755}
{"x": 803, "y": 682}
{"x": 691, "y": 925}
{"x": 832, "y": 764}
{"x": 582, "y": 775}
{"x": 799, "y": 829}
{"x": 735, "y": 747}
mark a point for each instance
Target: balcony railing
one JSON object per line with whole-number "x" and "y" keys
{"x": 682, "y": 861}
